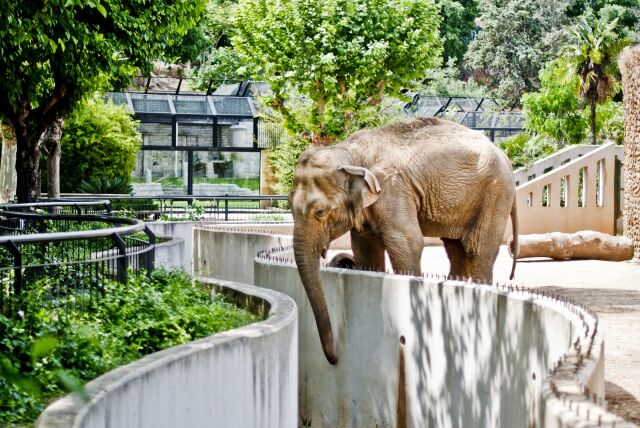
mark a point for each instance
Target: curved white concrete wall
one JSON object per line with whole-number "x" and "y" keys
{"x": 245, "y": 377}
{"x": 473, "y": 355}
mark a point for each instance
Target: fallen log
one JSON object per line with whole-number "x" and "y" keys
{"x": 585, "y": 244}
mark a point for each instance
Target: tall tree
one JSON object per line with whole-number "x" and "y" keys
{"x": 555, "y": 111}
{"x": 594, "y": 52}
{"x": 515, "y": 39}
{"x": 456, "y": 29}
{"x": 630, "y": 69}
{"x": 342, "y": 56}
{"x": 626, "y": 11}
{"x": 53, "y": 53}
{"x": 7, "y": 162}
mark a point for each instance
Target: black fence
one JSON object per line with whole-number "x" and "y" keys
{"x": 265, "y": 208}
{"x": 65, "y": 261}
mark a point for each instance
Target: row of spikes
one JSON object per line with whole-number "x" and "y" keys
{"x": 237, "y": 229}
{"x": 575, "y": 307}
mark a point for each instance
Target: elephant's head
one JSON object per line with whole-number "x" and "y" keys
{"x": 328, "y": 198}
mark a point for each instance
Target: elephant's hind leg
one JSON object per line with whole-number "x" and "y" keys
{"x": 456, "y": 255}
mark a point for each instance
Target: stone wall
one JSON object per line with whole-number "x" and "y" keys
{"x": 630, "y": 68}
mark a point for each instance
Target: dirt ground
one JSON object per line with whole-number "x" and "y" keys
{"x": 612, "y": 289}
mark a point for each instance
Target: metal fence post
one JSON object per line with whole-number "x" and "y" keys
{"x": 150, "y": 256}
{"x": 122, "y": 263}
{"x": 17, "y": 266}
{"x": 226, "y": 207}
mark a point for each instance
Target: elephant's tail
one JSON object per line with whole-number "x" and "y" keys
{"x": 514, "y": 241}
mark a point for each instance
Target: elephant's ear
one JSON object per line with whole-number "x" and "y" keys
{"x": 366, "y": 189}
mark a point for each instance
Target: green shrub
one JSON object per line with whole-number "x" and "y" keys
{"x": 143, "y": 316}
{"x": 610, "y": 121}
{"x": 555, "y": 110}
{"x": 100, "y": 139}
{"x": 283, "y": 159}
{"x": 115, "y": 185}
{"x": 523, "y": 149}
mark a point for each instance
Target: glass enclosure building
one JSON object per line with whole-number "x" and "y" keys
{"x": 196, "y": 144}
{"x": 211, "y": 142}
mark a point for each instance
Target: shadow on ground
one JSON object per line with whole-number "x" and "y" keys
{"x": 621, "y": 402}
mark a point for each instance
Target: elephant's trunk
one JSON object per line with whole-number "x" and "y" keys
{"x": 308, "y": 260}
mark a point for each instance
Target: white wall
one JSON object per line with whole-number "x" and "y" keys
{"x": 473, "y": 355}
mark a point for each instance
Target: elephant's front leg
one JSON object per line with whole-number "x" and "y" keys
{"x": 368, "y": 251}
{"x": 404, "y": 242}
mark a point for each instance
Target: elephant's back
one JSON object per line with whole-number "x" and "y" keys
{"x": 424, "y": 141}
{"x": 418, "y": 134}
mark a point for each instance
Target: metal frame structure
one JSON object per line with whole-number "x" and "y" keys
{"x": 74, "y": 264}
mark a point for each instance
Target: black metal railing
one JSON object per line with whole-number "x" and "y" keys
{"x": 65, "y": 261}
{"x": 264, "y": 208}
{"x": 101, "y": 206}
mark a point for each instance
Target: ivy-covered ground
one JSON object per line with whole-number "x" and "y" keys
{"x": 44, "y": 354}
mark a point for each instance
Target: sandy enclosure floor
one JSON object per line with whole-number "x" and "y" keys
{"x": 612, "y": 289}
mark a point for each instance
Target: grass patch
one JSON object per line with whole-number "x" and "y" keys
{"x": 252, "y": 183}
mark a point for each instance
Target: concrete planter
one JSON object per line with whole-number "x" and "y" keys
{"x": 245, "y": 377}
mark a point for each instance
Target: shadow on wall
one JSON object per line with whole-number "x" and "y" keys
{"x": 482, "y": 359}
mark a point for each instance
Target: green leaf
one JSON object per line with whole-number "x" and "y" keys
{"x": 73, "y": 384}
{"x": 43, "y": 347}
{"x": 101, "y": 9}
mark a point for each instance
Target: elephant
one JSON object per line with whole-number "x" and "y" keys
{"x": 390, "y": 187}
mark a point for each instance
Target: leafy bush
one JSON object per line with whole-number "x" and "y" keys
{"x": 115, "y": 185}
{"x": 610, "y": 121}
{"x": 445, "y": 81}
{"x": 130, "y": 321}
{"x": 523, "y": 149}
{"x": 555, "y": 110}
{"x": 100, "y": 139}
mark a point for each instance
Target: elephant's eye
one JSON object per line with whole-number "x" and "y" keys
{"x": 321, "y": 212}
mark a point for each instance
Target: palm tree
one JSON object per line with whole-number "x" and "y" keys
{"x": 594, "y": 52}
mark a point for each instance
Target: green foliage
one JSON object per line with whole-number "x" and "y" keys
{"x": 342, "y": 56}
{"x": 283, "y": 158}
{"x": 220, "y": 61}
{"x": 100, "y": 140}
{"x": 53, "y": 53}
{"x": 115, "y": 185}
{"x": 223, "y": 64}
{"x": 626, "y": 11}
{"x": 48, "y": 353}
{"x": 458, "y": 23}
{"x": 516, "y": 38}
{"x": 444, "y": 81}
{"x": 555, "y": 111}
{"x": 593, "y": 53}
{"x": 523, "y": 149}
{"x": 610, "y": 122}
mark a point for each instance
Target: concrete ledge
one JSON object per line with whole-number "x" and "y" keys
{"x": 243, "y": 377}
{"x": 444, "y": 353}
{"x": 430, "y": 352}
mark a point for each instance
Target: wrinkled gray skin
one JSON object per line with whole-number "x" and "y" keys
{"x": 393, "y": 185}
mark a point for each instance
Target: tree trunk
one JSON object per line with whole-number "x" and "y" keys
{"x": 27, "y": 167}
{"x": 586, "y": 244}
{"x": 50, "y": 144}
{"x": 629, "y": 63}
{"x": 592, "y": 104}
{"x": 7, "y": 163}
